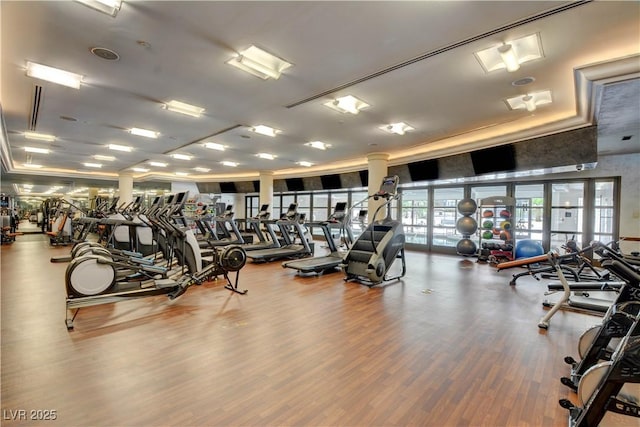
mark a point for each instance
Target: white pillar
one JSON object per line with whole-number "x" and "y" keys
{"x": 378, "y": 163}
{"x": 93, "y": 196}
{"x": 125, "y": 187}
{"x": 266, "y": 189}
{"x": 239, "y": 205}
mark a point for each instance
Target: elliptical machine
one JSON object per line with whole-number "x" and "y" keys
{"x": 380, "y": 244}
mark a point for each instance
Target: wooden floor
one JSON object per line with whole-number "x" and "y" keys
{"x": 450, "y": 345}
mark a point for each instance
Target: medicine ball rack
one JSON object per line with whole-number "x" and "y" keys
{"x": 495, "y": 216}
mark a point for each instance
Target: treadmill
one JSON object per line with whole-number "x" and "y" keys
{"x": 263, "y": 242}
{"x": 221, "y": 235}
{"x": 319, "y": 265}
{"x": 290, "y": 249}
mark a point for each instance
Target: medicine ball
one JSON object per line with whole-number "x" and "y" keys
{"x": 505, "y": 214}
{"x": 505, "y": 235}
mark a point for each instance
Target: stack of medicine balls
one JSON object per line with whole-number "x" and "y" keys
{"x": 467, "y": 225}
{"x": 501, "y": 230}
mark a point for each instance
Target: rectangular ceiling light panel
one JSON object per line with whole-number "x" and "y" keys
{"x": 144, "y": 132}
{"x": 347, "y": 104}
{"x": 183, "y": 108}
{"x": 108, "y": 7}
{"x": 53, "y": 75}
{"x": 36, "y": 150}
{"x": 259, "y": 63}
{"x": 39, "y": 136}
{"x": 117, "y": 147}
{"x": 511, "y": 54}
{"x": 214, "y": 146}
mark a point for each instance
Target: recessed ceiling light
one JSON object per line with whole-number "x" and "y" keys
{"x": 265, "y": 130}
{"x": 530, "y": 101}
{"x": 183, "y": 108}
{"x": 181, "y": 156}
{"x": 318, "y": 144}
{"x": 105, "y": 158}
{"x": 230, "y": 164}
{"x": 182, "y": 173}
{"x": 203, "y": 170}
{"x": 144, "y": 132}
{"x": 39, "y": 136}
{"x": 54, "y": 75}
{"x": 399, "y": 128}
{"x": 158, "y": 164}
{"x": 347, "y": 104}
{"x": 93, "y": 165}
{"x": 259, "y": 63}
{"x": 214, "y": 146}
{"x": 36, "y": 150}
{"x": 140, "y": 169}
{"x": 266, "y": 156}
{"x": 32, "y": 165}
{"x": 510, "y": 54}
{"x": 305, "y": 164}
{"x": 117, "y": 147}
{"x": 109, "y": 7}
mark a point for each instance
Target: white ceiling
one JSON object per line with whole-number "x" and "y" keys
{"x": 411, "y": 61}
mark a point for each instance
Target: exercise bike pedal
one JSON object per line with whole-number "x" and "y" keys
{"x": 570, "y": 361}
{"x": 567, "y": 404}
{"x": 569, "y": 383}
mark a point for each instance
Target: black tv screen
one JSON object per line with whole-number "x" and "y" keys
{"x": 294, "y": 184}
{"x": 228, "y": 187}
{"x": 364, "y": 178}
{"x": 423, "y": 170}
{"x": 331, "y": 182}
{"x": 494, "y": 159}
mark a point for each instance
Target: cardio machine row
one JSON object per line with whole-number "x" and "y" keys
{"x": 99, "y": 272}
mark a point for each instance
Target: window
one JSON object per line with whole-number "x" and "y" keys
{"x": 529, "y": 217}
{"x": 304, "y": 205}
{"x": 603, "y": 210}
{"x": 567, "y": 213}
{"x": 415, "y": 215}
{"x": 445, "y": 213}
{"x": 320, "y": 206}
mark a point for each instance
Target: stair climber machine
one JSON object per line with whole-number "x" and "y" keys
{"x": 380, "y": 244}
{"x": 96, "y": 277}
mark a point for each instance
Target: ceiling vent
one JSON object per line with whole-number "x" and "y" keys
{"x": 104, "y": 53}
{"x": 35, "y": 107}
